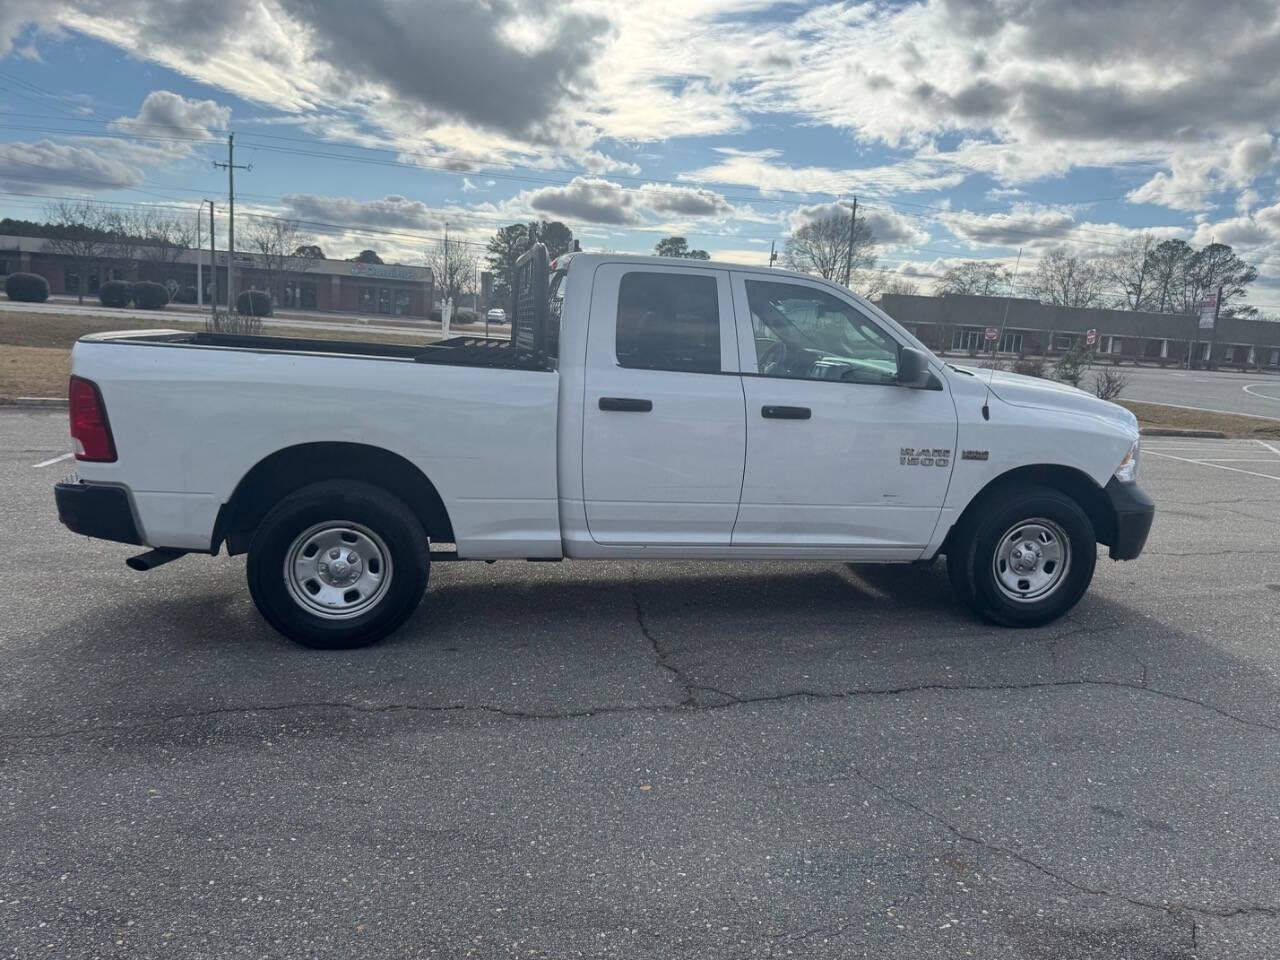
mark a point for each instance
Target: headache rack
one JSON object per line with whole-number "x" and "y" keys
{"x": 534, "y": 331}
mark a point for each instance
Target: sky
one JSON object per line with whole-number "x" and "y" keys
{"x": 966, "y": 129}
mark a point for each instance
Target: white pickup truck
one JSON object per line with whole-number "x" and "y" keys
{"x": 643, "y": 408}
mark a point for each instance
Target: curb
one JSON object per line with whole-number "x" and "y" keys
{"x": 1169, "y": 432}
{"x": 51, "y": 403}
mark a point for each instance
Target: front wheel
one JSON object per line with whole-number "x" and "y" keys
{"x": 1026, "y": 558}
{"x": 338, "y": 565}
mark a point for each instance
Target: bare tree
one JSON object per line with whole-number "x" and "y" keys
{"x": 162, "y": 240}
{"x": 83, "y": 234}
{"x": 821, "y": 246}
{"x": 1169, "y": 284}
{"x": 1217, "y": 265}
{"x": 276, "y": 242}
{"x": 1130, "y": 270}
{"x": 982, "y": 278}
{"x": 454, "y": 269}
{"x": 1067, "y": 280}
{"x": 876, "y": 283}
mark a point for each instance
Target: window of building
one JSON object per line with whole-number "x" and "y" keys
{"x": 1064, "y": 341}
{"x": 366, "y": 299}
{"x": 968, "y": 339}
{"x": 384, "y": 299}
{"x": 805, "y": 333}
{"x": 668, "y": 321}
{"x": 72, "y": 281}
{"x": 95, "y": 282}
{"x": 1117, "y": 345}
{"x": 299, "y": 293}
{"x": 1275, "y": 358}
{"x": 4, "y": 267}
{"x": 1010, "y": 342}
{"x": 404, "y": 302}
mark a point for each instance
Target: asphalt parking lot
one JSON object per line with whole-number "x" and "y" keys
{"x": 648, "y": 760}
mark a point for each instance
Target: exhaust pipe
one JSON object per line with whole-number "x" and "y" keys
{"x": 155, "y": 558}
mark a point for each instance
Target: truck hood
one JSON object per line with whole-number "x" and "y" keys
{"x": 1024, "y": 391}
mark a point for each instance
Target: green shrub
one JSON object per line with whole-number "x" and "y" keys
{"x": 466, "y": 316}
{"x": 254, "y": 303}
{"x": 1071, "y": 366}
{"x": 150, "y": 296}
{"x": 27, "y": 287}
{"x": 115, "y": 293}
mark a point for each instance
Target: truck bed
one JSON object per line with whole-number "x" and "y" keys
{"x": 458, "y": 351}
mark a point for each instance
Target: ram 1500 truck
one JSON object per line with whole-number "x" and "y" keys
{"x": 643, "y": 408}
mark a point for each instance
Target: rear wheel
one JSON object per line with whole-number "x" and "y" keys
{"x": 338, "y": 565}
{"x": 1026, "y": 558}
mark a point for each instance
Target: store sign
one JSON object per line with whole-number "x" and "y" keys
{"x": 1209, "y": 309}
{"x": 384, "y": 271}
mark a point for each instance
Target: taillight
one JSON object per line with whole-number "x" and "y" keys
{"x": 89, "y": 427}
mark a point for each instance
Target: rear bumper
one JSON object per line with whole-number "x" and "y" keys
{"x": 96, "y": 510}
{"x": 1134, "y": 511}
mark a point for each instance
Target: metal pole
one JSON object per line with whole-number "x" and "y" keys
{"x": 231, "y": 168}
{"x": 199, "y": 254}
{"x": 213, "y": 266}
{"x": 848, "y": 262}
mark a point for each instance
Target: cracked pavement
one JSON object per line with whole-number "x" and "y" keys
{"x": 644, "y": 760}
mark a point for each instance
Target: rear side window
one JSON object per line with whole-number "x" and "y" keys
{"x": 668, "y": 321}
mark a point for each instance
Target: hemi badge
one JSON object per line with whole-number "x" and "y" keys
{"x": 975, "y": 455}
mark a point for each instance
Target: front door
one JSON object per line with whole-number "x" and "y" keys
{"x": 838, "y": 454}
{"x": 664, "y": 432}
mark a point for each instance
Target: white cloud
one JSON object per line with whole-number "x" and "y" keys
{"x": 46, "y": 167}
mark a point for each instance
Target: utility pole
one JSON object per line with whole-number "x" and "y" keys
{"x": 231, "y": 167}
{"x": 848, "y": 260}
{"x": 773, "y": 254}
{"x": 213, "y": 266}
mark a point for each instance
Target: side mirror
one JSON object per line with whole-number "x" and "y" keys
{"x": 913, "y": 370}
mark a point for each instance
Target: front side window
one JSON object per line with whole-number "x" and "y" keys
{"x": 668, "y": 321}
{"x": 807, "y": 334}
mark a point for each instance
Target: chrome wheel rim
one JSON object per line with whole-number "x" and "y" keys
{"x": 337, "y": 570}
{"x": 1031, "y": 560}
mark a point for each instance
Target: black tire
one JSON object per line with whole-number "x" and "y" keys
{"x": 328, "y": 507}
{"x": 972, "y": 562}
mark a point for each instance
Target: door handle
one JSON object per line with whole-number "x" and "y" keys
{"x": 772, "y": 412}
{"x": 626, "y": 404}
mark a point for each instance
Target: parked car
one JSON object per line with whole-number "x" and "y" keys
{"x": 497, "y": 315}
{"x": 641, "y": 409}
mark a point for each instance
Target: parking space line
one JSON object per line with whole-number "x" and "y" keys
{"x": 1269, "y": 447}
{"x": 1218, "y": 466}
{"x": 47, "y": 463}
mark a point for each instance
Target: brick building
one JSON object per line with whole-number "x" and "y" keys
{"x": 339, "y": 286}
{"x": 957, "y": 324}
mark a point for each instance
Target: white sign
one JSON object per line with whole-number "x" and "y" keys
{"x": 1208, "y": 310}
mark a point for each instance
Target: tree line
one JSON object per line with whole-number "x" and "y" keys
{"x": 1142, "y": 273}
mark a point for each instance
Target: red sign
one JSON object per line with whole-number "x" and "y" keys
{"x": 992, "y": 333}
{"x": 1091, "y": 337}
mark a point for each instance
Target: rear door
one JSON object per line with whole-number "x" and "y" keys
{"x": 838, "y": 454}
{"x": 664, "y": 421}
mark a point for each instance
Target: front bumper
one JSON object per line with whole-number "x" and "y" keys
{"x": 1133, "y": 511}
{"x": 96, "y": 510}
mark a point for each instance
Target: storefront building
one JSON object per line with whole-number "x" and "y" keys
{"x": 335, "y": 286}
